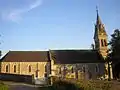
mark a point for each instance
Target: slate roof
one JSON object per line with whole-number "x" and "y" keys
{"x": 59, "y": 56}
{"x": 76, "y": 56}
{"x": 26, "y": 56}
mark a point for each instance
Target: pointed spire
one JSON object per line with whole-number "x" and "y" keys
{"x": 97, "y": 9}
{"x": 98, "y": 21}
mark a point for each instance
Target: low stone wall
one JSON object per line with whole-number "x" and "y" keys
{"x": 16, "y": 78}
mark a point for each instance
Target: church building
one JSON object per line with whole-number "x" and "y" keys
{"x": 78, "y": 64}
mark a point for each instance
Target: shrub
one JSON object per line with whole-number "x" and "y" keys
{"x": 64, "y": 85}
{"x": 80, "y": 85}
{"x": 94, "y": 85}
{"x": 86, "y": 85}
{"x": 106, "y": 86}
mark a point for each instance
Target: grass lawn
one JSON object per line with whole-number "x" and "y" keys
{"x": 3, "y": 86}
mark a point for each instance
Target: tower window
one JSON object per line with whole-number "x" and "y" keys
{"x": 105, "y": 43}
{"x": 14, "y": 68}
{"x": 29, "y": 68}
{"x": 102, "y": 43}
{"x": 7, "y": 68}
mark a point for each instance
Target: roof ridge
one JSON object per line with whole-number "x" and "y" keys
{"x": 27, "y": 51}
{"x": 74, "y": 50}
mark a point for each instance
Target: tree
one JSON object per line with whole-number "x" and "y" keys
{"x": 114, "y": 52}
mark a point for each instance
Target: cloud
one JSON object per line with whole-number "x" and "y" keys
{"x": 35, "y": 4}
{"x": 15, "y": 15}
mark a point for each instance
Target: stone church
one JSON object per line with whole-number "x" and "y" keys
{"x": 79, "y": 64}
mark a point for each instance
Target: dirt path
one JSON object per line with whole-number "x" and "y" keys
{"x": 22, "y": 87}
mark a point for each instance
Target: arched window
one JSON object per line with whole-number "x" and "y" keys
{"x": 97, "y": 68}
{"x": 105, "y": 43}
{"x": 60, "y": 70}
{"x": 29, "y": 68}
{"x": 83, "y": 69}
{"x": 14, "y": 68}
{"x": 45, "y": 68}
{"x": 72, "y": 70}
{"x": 102, "y": 44}
{"x": 7, "y": 67}
{"x": 45, "y": 75}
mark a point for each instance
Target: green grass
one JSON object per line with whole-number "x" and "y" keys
{"x": 3, "y": 86}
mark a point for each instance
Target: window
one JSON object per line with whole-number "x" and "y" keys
{"x": 105, "y": 43}
{"x": 97, "y": 68}
{"x": 60, "y": 70}
{"x": 72, "y": 70}
{"x": 45, "y": 75}
{"x": 83, "y": 69}
{"x": 36, "y": 73}
{"x": 29, "y": 68}
{"x": 102, "y": 44}
{"x": 45, "y": 68}
{"x": 7, "y": 68}
{"x": 14, "y": 68}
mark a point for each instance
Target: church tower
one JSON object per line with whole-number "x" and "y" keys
{"x": 100, "y": 37}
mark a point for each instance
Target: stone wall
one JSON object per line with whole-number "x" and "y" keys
{"x": 16, "y": 78}
{"x": 80, "y": 71}
{"x": 22, "y": 68}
